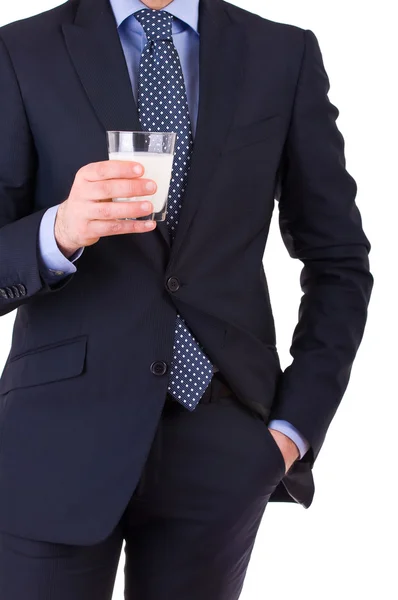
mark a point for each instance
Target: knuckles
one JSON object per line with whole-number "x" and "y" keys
{"x": 116, "y": 227}
{"x": 133, "y": 188}
{"x": 105, "y": 210}
{"x": 107, "y": 189}
{"x": 101, "y": 170}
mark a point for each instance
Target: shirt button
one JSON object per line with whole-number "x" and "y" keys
{"x": 159, "y": 367}
{"x": 173, "y": 284}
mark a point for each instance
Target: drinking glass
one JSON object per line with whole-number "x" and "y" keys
{"x": 155, "y": 152}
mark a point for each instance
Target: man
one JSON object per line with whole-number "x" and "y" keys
{"x": 143, "y": 398}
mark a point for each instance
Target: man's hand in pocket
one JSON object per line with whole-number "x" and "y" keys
{"x": 288, "y": 448}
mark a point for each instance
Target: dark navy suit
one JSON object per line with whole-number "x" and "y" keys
{"x": 84, "y": 388}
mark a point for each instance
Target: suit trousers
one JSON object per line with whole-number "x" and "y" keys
{"x": 190, "y": 526}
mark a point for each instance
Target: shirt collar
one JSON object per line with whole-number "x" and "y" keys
{"x": 185, "y": 10}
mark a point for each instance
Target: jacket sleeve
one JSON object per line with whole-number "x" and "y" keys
{"x": 321, "y": 226}
{"x": 20, "y": 264}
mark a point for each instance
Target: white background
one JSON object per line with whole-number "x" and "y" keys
{"x": 343, "y": 547}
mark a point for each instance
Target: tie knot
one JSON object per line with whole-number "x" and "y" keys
{"x": 157, "y": 24}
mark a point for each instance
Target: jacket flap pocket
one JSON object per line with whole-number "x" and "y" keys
{"x": 45, "y": 365}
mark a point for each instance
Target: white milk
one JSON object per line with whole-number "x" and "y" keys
{"x": 158, "y": 167}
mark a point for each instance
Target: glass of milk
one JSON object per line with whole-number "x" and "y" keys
{"x": 155, "y": 152}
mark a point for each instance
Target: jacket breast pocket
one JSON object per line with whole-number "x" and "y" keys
{"x": 46, "y": 364}
{"x": 254, "y": 133}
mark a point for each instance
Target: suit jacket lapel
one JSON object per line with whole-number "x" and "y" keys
{"x": 96, "y": 52}
{"x": 95, "y": 49}
{"x": 222, "y": 50}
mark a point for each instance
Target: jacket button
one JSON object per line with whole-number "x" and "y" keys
{"x": 159, "y": 367}
{"x": 16, "y": 291}
{"x": 22, "y": 289}
{"x": 173, "y": 284}
{"x": 10, "y": 293}
{"x": 3, "y": 293}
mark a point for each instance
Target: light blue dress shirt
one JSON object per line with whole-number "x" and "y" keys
{"x": 133, "y": 40}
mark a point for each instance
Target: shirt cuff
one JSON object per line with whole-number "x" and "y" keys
{"x": 292, "y": 433}
{"x": 57, "y": 265}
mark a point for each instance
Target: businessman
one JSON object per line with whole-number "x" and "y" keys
{"x": 143, "y": 399}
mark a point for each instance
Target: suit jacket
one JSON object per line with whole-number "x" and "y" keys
{"x": 87, "y": 375}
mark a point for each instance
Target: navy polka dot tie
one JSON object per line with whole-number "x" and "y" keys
{"x": 163, "y": 106}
